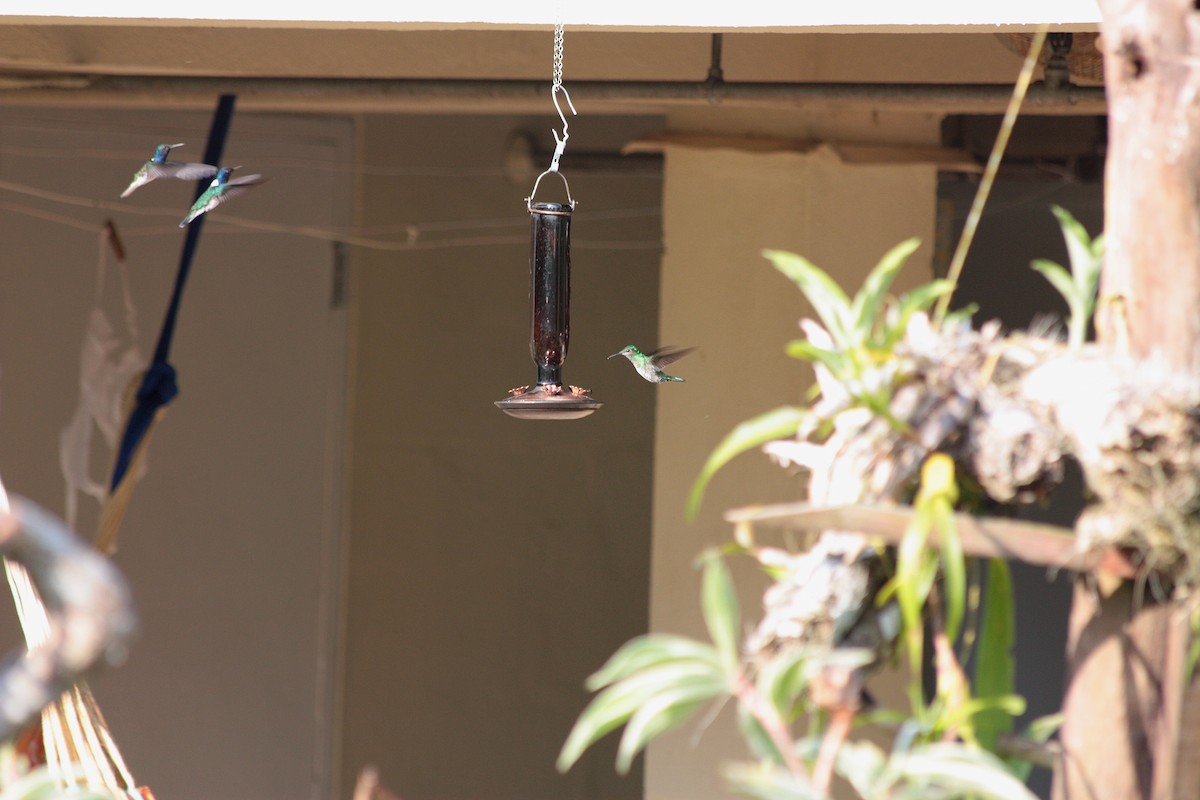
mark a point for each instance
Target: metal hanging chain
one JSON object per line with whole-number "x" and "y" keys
{"x": 560, "y": 141}
{"x": 558, "y": 56}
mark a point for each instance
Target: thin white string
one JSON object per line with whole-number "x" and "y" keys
{"x": 233, "y": 224}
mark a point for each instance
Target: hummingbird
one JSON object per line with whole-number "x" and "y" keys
{"x": 159, "y": 167}
{"x": 220, "y": 190}
{"x": 650, "y": 365}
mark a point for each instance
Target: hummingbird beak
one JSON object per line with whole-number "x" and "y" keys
{"x": 614, "y": 355}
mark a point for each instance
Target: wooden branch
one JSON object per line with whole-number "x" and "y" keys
{"x": 985, "y": 537}
{"x": 91, "y": 615}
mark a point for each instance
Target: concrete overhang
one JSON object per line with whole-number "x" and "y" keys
{"x": 913, "y": 16}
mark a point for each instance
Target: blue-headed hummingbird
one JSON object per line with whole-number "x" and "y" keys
{"x": 221, "y": 189}
{"x": 159, "y": 167}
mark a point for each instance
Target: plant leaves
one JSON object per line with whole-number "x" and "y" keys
{"x": 776, "y": 424}
{"x": 964, "y": 771}
{"x": 615, "y": 705}
{"x": 823, "y": 293}
{"x": 768, "y": 782}
{"x": 911, "y": 560}
{"x": 1081, "y": 250}
{"x": 756, "y": 737}
{"x": 960, "y": 315}
{"x": 865, "y": 309}
{"x": 837, "y": 362}
{"x": 720, "y": 606}
{"x": 909, "y": 303}
{"x": 666, "y": 710}
{"x": 862, "y": 764}
{"x": 994, "y": 667}
{"x": 954, "y": 568}
{"x": 647, "y": 651}
{"x": 1058, "y": 276}
{"x": 783, "y": 679}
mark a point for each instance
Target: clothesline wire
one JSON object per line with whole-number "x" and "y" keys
{"x": 230, "y": 223}
{"x": 322, "y": 165}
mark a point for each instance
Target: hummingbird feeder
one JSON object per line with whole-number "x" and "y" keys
{"x": 550, "y": 292}
{"x": 550, "y": 302}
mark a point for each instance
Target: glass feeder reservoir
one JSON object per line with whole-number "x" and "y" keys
{"x": 550, "y": 305}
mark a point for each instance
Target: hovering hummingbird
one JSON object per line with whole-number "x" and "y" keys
{"x": 650, "y": 365}
{"x": 159, "y": 167}
{"x": 220, "y": 190}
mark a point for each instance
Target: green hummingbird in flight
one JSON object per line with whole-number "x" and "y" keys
{"x": 650, "y": 365}
{"x": 220, "y": 190}
{"x": 159, "y": 167}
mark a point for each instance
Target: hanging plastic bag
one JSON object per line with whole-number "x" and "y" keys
{"x": 109, "y": 360}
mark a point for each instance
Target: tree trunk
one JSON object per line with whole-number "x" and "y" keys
{"x": 1131, "y": 722}
{"x": 1150, "y": 289}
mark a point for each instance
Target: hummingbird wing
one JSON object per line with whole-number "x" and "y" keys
{"x": 153, "y": 170}
{"x": 668, "y": 355}
{"x": 184, "y": 171}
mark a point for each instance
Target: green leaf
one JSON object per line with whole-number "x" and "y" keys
{"x": 1039, "y": 731}
{"x": 1011, "y": 704}
{"x": 912, "y": 558}
{"x": 954, "y": 568}
{"x": 862, "y": 764}
{"x": 1080, "y": 249}
{"x": 720, "y": 605}
{"x": 867, "y": 303}
{"x": 994, "y": 666}
{"x": 835, "y": 361}
{"x": 1057, "y": 275}
{"x": 768, "y": 782}
{"x": 918, "y": 299}
{"x": 1042, "y": 728}
{"x": 757, "y": 739}
{"x": 963, "y": 771}
{"x": 823, "y": 293}
{"x": 666, "y": 710}
{"x": 960, "y": 315}
{"x": 615, "y": 705}
{"x": 783, "y": 679}
{"x": 647, "y": 651}
{"x": 776, "y": 424}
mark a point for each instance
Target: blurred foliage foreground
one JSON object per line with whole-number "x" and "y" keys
{"x": 917, "y": 410}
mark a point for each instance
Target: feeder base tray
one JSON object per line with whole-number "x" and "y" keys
{"x": 548, "y": 401}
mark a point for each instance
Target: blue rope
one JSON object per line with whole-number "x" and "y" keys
{"x": 158, "y": 387}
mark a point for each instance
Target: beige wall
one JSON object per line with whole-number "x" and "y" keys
{"x": 494, "y": 563}
{"x": 229, "y": 541}
{"x": 720, "y": 209}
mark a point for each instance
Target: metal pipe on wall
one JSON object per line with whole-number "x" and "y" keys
{"x": 287, "y": 91}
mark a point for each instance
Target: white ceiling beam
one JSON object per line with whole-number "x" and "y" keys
{"x": 912, "y": 16}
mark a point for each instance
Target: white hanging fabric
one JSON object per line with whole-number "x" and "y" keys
{"x": 109, "y": 360}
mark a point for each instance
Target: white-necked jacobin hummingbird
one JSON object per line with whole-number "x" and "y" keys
{"x": 650, "y": 365}
{"x": 220, "y": 190}
{"x": 159, "y": 167}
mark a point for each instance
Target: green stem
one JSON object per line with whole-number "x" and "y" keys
{"x": 989, "y": 172}
{"x": 748, "y": 696}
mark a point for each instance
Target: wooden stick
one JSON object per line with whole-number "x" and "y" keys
{"x": 984, "y": 537}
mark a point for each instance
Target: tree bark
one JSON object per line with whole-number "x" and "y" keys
{"x": 1130, "y": 728}
{"x": 1150, "y": 289}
